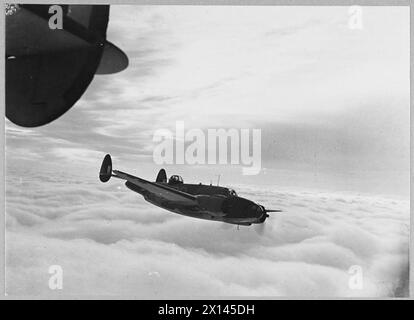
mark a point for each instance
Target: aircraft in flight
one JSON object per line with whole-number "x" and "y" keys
{"x": 49, "y": 67}
{"x": 193, "y": 200}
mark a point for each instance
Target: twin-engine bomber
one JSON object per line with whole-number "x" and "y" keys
{"x": 193, "y": 200}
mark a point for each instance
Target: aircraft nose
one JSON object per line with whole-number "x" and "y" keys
{"x": 255, "y": 210}
{"x": 237, "y": 207}
{"x": 259, "y": 212}
{"x": 263, "y": 217}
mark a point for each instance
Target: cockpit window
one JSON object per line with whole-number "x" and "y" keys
{"x": 175, "y": 179}
{"x": 232, "y": 193}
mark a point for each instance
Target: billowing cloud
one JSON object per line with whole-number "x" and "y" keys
{"x": 108, "y": 240}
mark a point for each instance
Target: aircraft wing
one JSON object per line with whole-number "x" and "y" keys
{"x": 48, "y": 70}
{"x": 158, "y": 190}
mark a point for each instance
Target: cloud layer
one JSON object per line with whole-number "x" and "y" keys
{"x": 108, "y": 240}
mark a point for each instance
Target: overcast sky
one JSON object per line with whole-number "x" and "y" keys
{"x": 328, "y": 99}
{"x": 333, "y": 107}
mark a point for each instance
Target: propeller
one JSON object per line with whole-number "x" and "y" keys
{"x": 266, "y": 211}
{"x": 272, "y": 210}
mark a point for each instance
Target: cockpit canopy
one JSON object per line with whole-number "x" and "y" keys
{"x": 175, "y": 179}
{"x": 232, "y": 193}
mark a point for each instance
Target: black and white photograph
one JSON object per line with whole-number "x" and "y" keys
{"x": 207, "y": 151}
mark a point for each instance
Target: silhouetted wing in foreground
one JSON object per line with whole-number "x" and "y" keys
{"x": 48, "y": 70}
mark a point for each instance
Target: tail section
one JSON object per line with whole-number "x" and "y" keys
{"x": 106, "y": 169}
{"x": 162, "y": 176}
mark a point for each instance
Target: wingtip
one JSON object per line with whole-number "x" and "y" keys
{"x": 113, "y": 60}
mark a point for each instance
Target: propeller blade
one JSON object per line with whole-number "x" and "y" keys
{"x": 273, "y": 210}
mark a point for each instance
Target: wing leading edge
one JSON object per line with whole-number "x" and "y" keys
{"x": 160, "y": 191}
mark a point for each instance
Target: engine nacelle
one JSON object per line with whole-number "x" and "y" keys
{"x": 211, "y": 203}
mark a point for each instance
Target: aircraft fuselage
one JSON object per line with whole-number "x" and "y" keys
{"x": 214, "y": 203}
{"x": 193, "y": 200}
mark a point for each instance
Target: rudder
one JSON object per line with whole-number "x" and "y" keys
{"x": 162, "y": 176}
{"x": 106, "y": 169}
